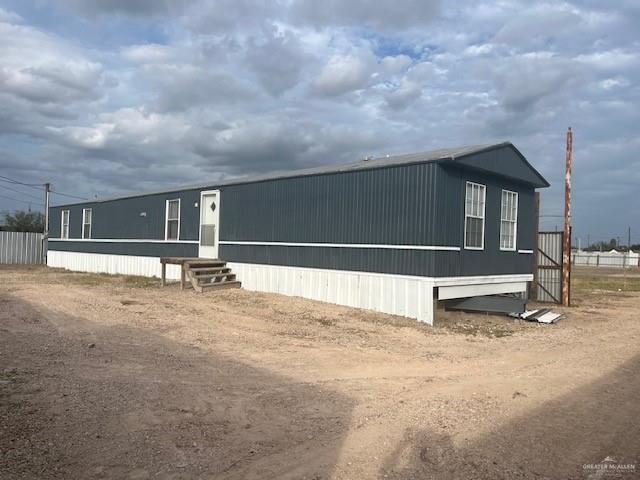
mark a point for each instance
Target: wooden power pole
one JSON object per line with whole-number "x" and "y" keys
{"x": 566, "y": 238}
{"x": 533, "y": 290}
{"x": 45, "y": 237}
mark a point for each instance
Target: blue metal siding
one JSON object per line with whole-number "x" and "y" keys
{"x": 397, "y": 206}
{"x": 122, "y": 219}
{"x": 409, "y": 204}
{"x": 504, "y": 161}
{"x": 142, "y": 249}
{"x": 403, "y": 262}
{"x": 491, "y": 260}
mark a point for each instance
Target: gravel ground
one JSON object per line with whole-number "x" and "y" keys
{"x": 113, "y": 377}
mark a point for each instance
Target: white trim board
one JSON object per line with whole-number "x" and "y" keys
{"x": 525, "y": 251}
{"x": 119, "y": 240}
{"x": 283, "y": 244}
{"x": 342, "y": 245}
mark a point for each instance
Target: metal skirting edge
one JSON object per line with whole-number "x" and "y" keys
{"x": 113, "y": 264}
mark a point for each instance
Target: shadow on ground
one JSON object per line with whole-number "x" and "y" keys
{"x": 554, "y": 441}
{"x": 81, "y": 400}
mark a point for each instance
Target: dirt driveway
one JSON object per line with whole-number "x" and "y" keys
{"x": 113, "y": 377}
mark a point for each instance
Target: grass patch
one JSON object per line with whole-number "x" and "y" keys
{"x": 140, "y": 282}
{"x": 60, "y": 275}
{"x": 618, "y": 283}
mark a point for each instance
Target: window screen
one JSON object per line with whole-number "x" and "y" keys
{"x": 508, "y": 220}
{"x": 173, "y": 219}
{"x": 64, "y": 224}
{"x": 86, "y": 223}
{"x": 474, "y": 216}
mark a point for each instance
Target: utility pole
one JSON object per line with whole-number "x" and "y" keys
{"x": 566, "y": 238}
{"x": 47, "y": 193}
{"x": 533, "y": 287}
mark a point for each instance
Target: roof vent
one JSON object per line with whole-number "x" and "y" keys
{"x": 366, "y": 158}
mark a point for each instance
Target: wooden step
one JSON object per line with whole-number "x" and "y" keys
{"x": 228, "y": 276}
{"x": 201, "y": 270}
{"x": 205, "y": 263}
{"x": 220, "y": 285}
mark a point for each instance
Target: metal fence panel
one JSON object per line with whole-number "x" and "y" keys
{"x": 606, "y": 259}
{"x": 549, "y": 268}
{"x": 21, "y": 248}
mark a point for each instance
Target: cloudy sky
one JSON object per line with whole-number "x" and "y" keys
{"x": 109, "y": 96}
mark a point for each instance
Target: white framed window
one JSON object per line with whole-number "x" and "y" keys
{"x": 474, "y": 206}
{"x": 87, "y": 213}
{"x": 172, "y": 227}
{"x": 64, "y": 224}
{"x": 508, "y": 220}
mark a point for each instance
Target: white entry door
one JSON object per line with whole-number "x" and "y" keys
{"x": 209, "y": 223}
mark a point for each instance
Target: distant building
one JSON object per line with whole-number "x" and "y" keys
{"x": 389, "y": 234}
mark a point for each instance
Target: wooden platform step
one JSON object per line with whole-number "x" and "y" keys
{"x": 210, "y": 274}
{"x": 220, "y": 285}
{"x": 205, "y": 263}
{"x": 216, "y": 276}
{"x": 204, "y": 270}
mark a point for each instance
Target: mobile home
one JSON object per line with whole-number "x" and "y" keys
{"x": 391, "y": 234}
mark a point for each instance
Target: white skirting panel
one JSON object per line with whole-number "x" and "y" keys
{"x": 399, "y": 295}
{"x": 403, "y": 295}
{"x": 114, "y": 264}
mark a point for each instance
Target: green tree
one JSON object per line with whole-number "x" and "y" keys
{"x": 25, "y": 222}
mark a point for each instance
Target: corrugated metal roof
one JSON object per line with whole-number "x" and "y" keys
{"x": 363, "y": 164}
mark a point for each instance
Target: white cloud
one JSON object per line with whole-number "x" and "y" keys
{"x": 148, "y": 53}
{"x": 395, "y": 64}
{"x": 615, "y": 59}
{"x": 41, "y": 68}
{"x": 611, "y": 83}
{"x": 9, "y": 17}
{"x": 404, "y": 95}
{"x": 342, "y": 74}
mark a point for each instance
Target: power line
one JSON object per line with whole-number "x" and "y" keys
{"x": 21, "y": 193}
{"x": 38, "y": 186}
{"x": 68, "y": 195}
{"x": 11, "y": 180}
{"x": 22, "y": 201}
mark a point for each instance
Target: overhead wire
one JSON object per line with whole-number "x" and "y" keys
{"x": 38, "y": 186}
{"x": 68, "y": 195}
{"x": 21, "y": 193}
{"x": 22, "y": 201}
{"x": 12, "y": 180}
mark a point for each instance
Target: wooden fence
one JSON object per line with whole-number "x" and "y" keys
{"x": 21, "y": 248}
